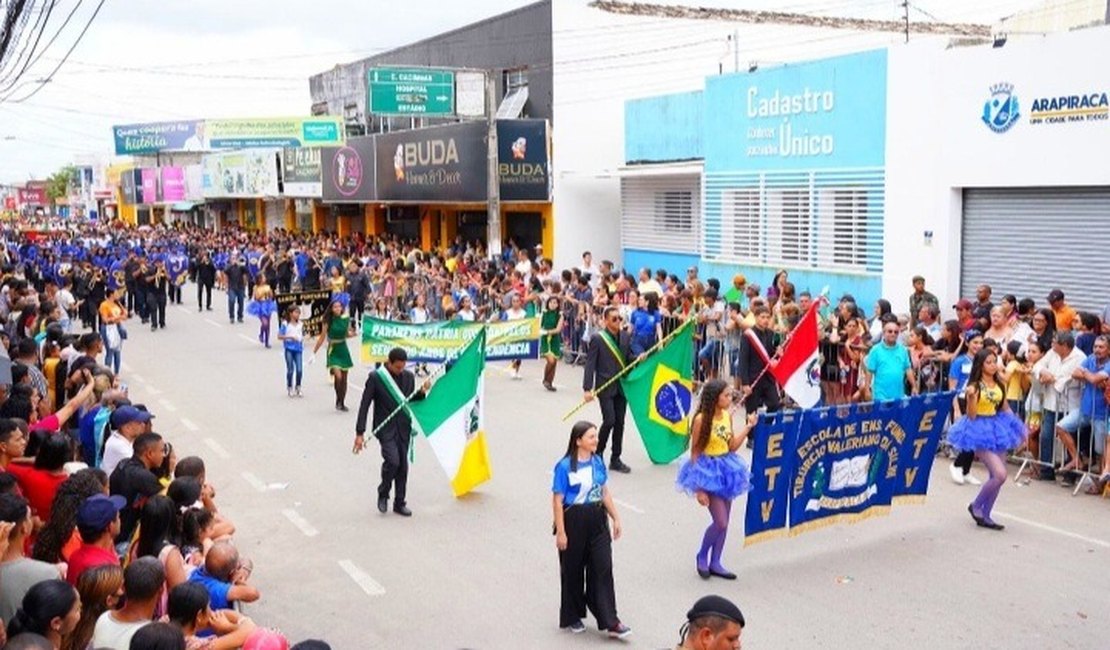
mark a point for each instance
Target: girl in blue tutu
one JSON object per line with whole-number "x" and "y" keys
{"x": 262, "y": 306}
{"x": 989, "y": 429}
{"x": 714, "y": 473}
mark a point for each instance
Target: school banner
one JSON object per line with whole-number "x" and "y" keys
{"x": 313, "y": 304}
{"x": 841, "y": 464}
{"x": 439, "y": 342}
{"x": 773, "y": 439}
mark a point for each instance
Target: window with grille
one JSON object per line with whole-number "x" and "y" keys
{"x": 788, "y": 221}
{"x": 674, "y": 211}
{"x": 849, "y": 228}
{"x": 512, "y": 80}
{"x": 740, "y": 224}
{"x": 826, "y": 219}
{"x": 661, "y": 213}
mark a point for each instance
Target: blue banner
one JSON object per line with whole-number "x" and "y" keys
{"x": 153, "y": 137}
{"x": 773, "y": 439}
{"x": 841, "y": 464}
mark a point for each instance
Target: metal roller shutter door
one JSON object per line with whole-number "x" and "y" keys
{"x": 1027, "y": 241}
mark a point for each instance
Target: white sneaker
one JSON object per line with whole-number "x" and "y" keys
{"x": 289, "y": 391}
{"x": 970, "y": 478}
{"x": 957, "y": 474}
{"x": 516, "y": 374}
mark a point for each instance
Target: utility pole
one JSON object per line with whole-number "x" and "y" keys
{"x": 906, "y": 15}
{"x": 493, "y": 182}
{"x": 736, "y": 50}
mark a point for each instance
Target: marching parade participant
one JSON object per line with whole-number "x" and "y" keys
{"x": 583, "y": 507}
{"x": 715, "y": 474}
{"x": 262, "y": 306}
{"x": 989, "y": 429}
{"x": 607, "y": 355}
{"x": 335, "y": 330}
{"x": 392, "y": 425}
{"x": 291, "y": 335}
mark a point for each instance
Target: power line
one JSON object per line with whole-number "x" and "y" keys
{"x": 53, "y": 72}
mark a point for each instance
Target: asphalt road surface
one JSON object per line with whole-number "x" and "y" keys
{"x": 482, "y": 572}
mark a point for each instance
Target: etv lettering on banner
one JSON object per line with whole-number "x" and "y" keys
{"x": 841, "y": 464}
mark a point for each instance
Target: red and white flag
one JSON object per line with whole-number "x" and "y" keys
{"x": 798, "y": 370}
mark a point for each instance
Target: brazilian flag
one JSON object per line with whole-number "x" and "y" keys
{"x": 660, "y": 396}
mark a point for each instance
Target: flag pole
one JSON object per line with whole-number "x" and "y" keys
{"x": 666, "y": 339}
{"x": 822, "y": 299}
{"x": 408, "y": 398}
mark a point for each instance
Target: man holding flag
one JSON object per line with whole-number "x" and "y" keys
{"x": 607, "y": 356}
{"x": 387, "y": 389}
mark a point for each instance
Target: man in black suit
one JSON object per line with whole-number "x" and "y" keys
{"x": 206, "y": 279}
{"x": 607, "y": 355}
{"x": 386, "y": 388}
{"x": 759, "y": 386}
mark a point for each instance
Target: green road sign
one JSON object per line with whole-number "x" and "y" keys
{"x": 412, "y": 91}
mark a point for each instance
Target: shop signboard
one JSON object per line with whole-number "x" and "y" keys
{"x": 194, "y": 183}
{"x": 522, "y": 160}
{"x": 274, "y": 132}
{"x": 149, "y": 185}
{"x": 32, "y": 196}
{"x": 173, "y": 184}
{"x": 183, "y": 135}
{"x": 819, "y": 115}
{"x": 442, "y": 164}
{"x": 348, "y": 172}
{"x": 411, "y": 91}
{"x": 130, "y": 181}
{"x": 241, "y": 174}
{"x": 301, "y": 172}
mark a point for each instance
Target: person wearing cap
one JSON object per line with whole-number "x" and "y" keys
{"x": 920, "y": 298}
{"x": 1066, "y": 317}
{"x": 127, "y": 423}
{"x": 98, "y": 524}
{"x": 964, "y": 315}
{"x": 713, "y": 623}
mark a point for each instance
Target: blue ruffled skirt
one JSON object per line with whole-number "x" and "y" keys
{"x": 997, "y": 433}
{"x": 726, "y": 476}
{"x": 261, "y": 308}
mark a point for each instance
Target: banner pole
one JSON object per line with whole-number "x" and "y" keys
{"x": 666, "y": 339}
{"x": 408, "y": 398}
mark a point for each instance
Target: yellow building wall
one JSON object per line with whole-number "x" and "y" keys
{"x": 290, "y": 215}
{"x": 319, "y": 217}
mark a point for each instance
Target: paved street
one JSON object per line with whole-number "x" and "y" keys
{"x": 481, "y": 572}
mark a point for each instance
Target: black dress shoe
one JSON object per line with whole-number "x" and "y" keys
{"x": 977, "y": 518}
{"x": 383, "y": 504}
{"x": 402, "y": 510}
{"x": 704, "y": 573}
{"x": 618, "y": 466}
{"x": 987, "y": 523}
{"x": 727, "y": 575}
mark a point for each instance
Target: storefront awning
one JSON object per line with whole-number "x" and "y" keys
{"x": 684, "y": 168}
{"x": 183, "y": 206}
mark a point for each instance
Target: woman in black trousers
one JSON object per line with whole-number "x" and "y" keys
{"x": 583, "y": 507}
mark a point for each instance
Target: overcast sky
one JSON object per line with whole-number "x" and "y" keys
{"x": 150, "y": 60}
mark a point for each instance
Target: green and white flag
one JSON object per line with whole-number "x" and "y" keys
{"x": 451, "y": 418}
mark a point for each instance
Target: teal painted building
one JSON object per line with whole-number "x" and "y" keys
{"x": 782, "y": 168}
